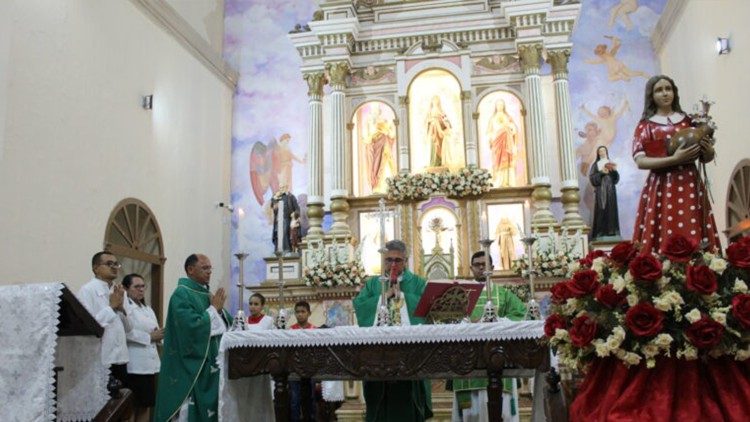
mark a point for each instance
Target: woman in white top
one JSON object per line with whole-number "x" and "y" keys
{"x": 144, "y": 361}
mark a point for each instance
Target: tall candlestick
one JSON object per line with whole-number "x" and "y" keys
{"x": 239, "y": 323}
{"x": 383, "y": 316}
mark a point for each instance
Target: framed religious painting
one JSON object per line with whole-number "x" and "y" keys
{"x": 374, "y": 147}
{"x": 436, "y": 137}
{"x": 502, "y": 140}
{"x": 506, "y": 226}
{"x": 370, "y": 238}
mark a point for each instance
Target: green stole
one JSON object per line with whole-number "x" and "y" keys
{"x": 508, "y": 305}
{"x": 394, "y": 400}
{"x": 188, "y": 367}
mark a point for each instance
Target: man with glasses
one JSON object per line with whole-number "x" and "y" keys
{"x": 104, "y": 300}
{"x": 470, "y": 401}
{"x": 394, "y": 400}
{"x": 189, "y": 377}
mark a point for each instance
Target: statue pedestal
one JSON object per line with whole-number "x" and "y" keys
{"x": 292, "y": 269}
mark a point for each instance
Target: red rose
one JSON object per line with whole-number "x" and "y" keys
{"x": 705, "y": 333}
{"x": 589, "y": 259}
{"x": 608, "y": 297}
{"x": 644, "y": 320}
{"x": 738, "y": 254}
{"x": 679, "y": 248}
{"x": 741, "y": 310}
{"x": 645, "y": 268}
{"x": 701, "y": 279}
{"x": 584, "y": 282}
{"x": 623, "y": 252}
{"x": 582, "y": 331}
{"x": 561, "y": 292}
{"x": 552, "y": 323}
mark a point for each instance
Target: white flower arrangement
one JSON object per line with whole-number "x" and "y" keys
{"x": 334, "y": 265}
{"x": 470, "y": 181}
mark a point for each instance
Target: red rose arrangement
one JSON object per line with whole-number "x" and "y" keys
{"x": 683, "y": 303}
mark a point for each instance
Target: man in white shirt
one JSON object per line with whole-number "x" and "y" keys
{"x": 104, "y": 300}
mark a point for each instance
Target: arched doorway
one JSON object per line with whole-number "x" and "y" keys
{"x": 738, "y": 200}
{"x": 133, "y": 235}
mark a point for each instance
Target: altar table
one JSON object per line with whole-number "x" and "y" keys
{"x": 495, "y": 350}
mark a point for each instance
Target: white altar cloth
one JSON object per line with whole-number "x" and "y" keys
{"x": 30, "y": 351}
{"x": 239, "y": 401}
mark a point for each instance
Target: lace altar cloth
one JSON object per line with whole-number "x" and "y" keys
{"x": 28, "y": 328}
{"x": 238, "y": 398}
{"x": 504, "y": 329}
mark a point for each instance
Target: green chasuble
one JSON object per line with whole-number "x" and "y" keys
{"x": 188, "y": 365}
{"x": 394, "y": 401}
{"x": 509, "y": 306}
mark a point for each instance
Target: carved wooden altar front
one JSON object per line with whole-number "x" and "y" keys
{"x": 435, "y": 359}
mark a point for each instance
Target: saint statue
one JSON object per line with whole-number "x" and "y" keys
{"x": 505, "y": 232}
{"x": 284, "y": 203}
{"x": 603, "y": 177}
{"x": 380, "y": 139}
{"x": 502, "y": 134}
{"x": 438, "y": 130}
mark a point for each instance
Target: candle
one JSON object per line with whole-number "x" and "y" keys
{"x": 240, "y": 234}
{"x": 483, "y": 232}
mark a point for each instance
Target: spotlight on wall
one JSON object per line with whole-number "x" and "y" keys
{"x": 225, "y": 205}
{"x": 148, "y": 102}
{"x": 722, "y": 45}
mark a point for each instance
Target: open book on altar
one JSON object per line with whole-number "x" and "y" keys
{"x": 452, "y": 295}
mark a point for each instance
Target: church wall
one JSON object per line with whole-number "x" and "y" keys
{"x": 689, "y": 56}
{"x": 205, "y": 16}
{"x": 77, "y": 140}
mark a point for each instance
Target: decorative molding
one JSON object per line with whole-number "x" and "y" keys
{"x": 558, "y": 59}
{"x": 315, "y": 83}
{"x": 337, "y": 72}
{"x": 175, "y": 25}
{"x": 530, "y": 54}
{"x": 673, "y": 10}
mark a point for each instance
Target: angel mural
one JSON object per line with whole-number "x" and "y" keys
{"x": 600, "y": 131}
{"x": 501, "y": 144}
{"x": 622, "y": 11}
{"x": 271, "y": 166}
{"x": 616, "y": 69}
{"x": 375, "y": 149}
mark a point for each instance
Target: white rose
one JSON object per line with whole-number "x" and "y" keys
{"x": 618, "y": 333}
{"x": 618, "y": 283}
{"x": 666, "y": 265}
{"x": 719, "y": 317}
{"x": 663, "y": 340}
{"x": 743, "y": 354}
{"x": 613, "y": 342}
{"x": 650, "y": 363}
{"x": 718, "y": 265}
{"x": 598, "y": 265}
{"x": 693, "y": 315}
{"x": 632, "y": 299}
{"x": 602, "y": 348}
{"x": 561, "y": 335}
{"x": 689, "y": 353}
{"x": 632, "y": 358}
{"x": 739, "y": 286}
{"x": 650, "y": 350}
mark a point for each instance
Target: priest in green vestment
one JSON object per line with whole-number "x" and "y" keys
{"x": 189, "y": 378}
{"x": 394, "y": 401}
{"x": 471, "y": 394}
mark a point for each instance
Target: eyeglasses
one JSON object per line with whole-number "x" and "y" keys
{"x": 478, "y": 264}
{"x": 112, "y": 264}
{"x": 139, "y": 286}
{"x": 394, "y": 260}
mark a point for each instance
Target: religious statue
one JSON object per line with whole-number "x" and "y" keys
{"x": 505, "y": 232}
{"x": 284, "y": 205}
{"x": 603, "y": 177}
{"x": 438, "y": 130}
{"x": 502, "y": 134}
{"x": 294, "y": 232}
{"x": 380, "y": 140}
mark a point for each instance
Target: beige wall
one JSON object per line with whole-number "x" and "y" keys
{"x": 205, "y": 16}
{"x": 689, "y": 56}
{"x": 77, "y": 140}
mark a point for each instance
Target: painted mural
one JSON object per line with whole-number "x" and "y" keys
{"x": 269, "y": 132}
{"x": 611, "y": 61}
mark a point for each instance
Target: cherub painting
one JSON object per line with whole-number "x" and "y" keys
{"x": 616, "y": 69}
{"x": 622, "y": 11}
{"x": 602, "y": 132}
{"x": 271, "y": 166}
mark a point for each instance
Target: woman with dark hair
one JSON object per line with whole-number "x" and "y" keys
{"x": 144, "y": 361}
{"x": 603, "y": 177}
{"x": 674, "y": 199}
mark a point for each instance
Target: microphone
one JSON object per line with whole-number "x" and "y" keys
{"x": 393, "y": 275}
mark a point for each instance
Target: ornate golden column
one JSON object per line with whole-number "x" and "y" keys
{"x": 337, "y": 73}
{"x": 558, "y": 59}
{"x": 315, "y": 83}
{"x": 472, "y": 156}
{"x": 530, "y": 55}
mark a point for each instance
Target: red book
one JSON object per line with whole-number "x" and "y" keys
{"x": 436, "y": 288}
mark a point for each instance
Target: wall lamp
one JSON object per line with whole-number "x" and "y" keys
{"x": 148, "y": 102}
{"x": 722, "y": 46}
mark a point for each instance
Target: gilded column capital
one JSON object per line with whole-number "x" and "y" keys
{"x": 558, "y": 59}
{"x": 337, "y": 72}
{"x": 465, "y": 95}
{"x": 530, "y": 54}
{"x": 349, "y": 126}
{"x": 315, "y": 82}
{"x": 475, "y": 115}
{"x": 403, "y": 101}
{"x": 396, "y": 121}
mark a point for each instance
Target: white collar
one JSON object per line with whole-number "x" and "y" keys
{"x": 673, "y": 118}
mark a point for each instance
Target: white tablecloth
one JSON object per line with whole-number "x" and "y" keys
{"x": 28, "y": 326}
{"x": 249, "y": 399}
